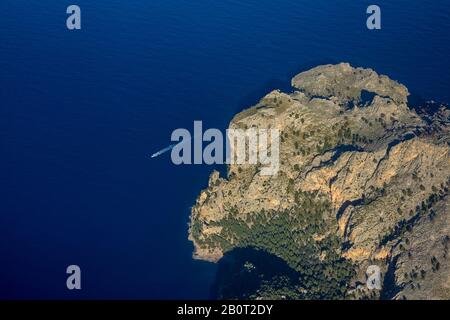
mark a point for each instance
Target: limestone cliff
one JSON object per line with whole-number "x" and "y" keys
{"x": 363, "y": 180}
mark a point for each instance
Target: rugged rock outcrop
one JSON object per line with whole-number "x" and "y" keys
{"x": 363, "y": 180}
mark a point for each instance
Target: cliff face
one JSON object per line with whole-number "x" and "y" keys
{"x": 363, "y": 180}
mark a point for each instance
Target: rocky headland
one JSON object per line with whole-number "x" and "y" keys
{"x": 363, "y": 181}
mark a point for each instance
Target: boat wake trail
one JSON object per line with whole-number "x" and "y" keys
{"x": 160, "y": 152}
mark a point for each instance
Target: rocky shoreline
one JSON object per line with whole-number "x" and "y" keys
{"x": 372, "y": 172}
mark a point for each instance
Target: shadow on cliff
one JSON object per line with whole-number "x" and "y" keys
{"x": 423, "y": 106}
{"x": 242, "y": 271}
{"x": 390, "y": 288}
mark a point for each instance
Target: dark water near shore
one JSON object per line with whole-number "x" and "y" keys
{"x": 80, "y": 112}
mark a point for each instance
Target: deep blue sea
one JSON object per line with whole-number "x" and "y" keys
{"x": 81, "y": 111}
